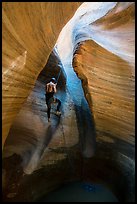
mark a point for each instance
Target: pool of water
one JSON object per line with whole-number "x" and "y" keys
{"x": 80, "y": 192}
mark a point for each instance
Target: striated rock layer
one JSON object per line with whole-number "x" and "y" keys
{"x": 29, "y": 33}
{"x": 105, "y": 64}
{"x": 109, "y": 85}
{"x": 33, "y": 144}
{"x": 107, "y": 69}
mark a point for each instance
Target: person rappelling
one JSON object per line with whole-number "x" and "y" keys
{"x": 51, "y": 89}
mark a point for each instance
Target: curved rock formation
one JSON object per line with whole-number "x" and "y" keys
{"x": 106, "y": 66}
{"x": 36, "y": 145}
{"x": 107, "y": 61}
{"x": 109, "y": 84}
{"x": 110, "y": 24}
{"x": 104, "y": 63}
{"x": 29, "y": 33}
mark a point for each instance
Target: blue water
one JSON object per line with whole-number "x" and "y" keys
{"x": 80, "y": 192}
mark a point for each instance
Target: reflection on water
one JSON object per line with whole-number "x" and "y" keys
{"x": 80, "y": 192}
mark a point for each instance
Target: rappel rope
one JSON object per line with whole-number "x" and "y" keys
{"x": 59, "y": 75}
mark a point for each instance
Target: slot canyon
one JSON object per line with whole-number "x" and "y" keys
{"x": 88, "y": 153}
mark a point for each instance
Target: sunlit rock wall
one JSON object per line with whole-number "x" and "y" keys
{"x": 109, "y": 24}
{"x": 107, "y": 68}
{"x": 29, "y": 33}
{"x": 106, "y": 63}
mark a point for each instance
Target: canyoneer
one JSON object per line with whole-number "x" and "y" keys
{"x": 50, "y": 90}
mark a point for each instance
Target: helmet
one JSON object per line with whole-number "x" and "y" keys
{"x": 53, "y": 80}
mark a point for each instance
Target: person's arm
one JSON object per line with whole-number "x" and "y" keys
{"x": 54, "y": 88}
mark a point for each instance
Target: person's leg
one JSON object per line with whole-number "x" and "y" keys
{"x": 59, "y": 104}
{"x": 48, "y": 112}
{"x": 49, "y": 102}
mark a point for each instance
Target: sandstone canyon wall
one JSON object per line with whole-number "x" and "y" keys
{"x": 29, "y": 33}
{"x": 100, "y": 42}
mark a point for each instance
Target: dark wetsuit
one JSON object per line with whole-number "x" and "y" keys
{"x": 51, "y": 99}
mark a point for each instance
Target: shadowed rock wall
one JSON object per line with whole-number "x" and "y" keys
{"x": 33, "y": 144}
